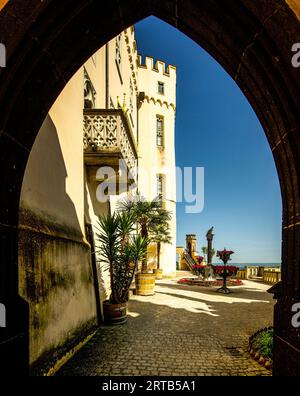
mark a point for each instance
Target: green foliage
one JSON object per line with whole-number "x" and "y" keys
{"x": 148, "y": 215}
{"x": 160, "y": 234}
{"x": 121, "y": 251}
{"x": 205, "y": 252}
{"x": 126, "y": 225}
{"x": 263, "y": 342}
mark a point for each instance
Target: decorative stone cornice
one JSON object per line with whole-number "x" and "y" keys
{"x": 160, "y": 102}
{"x": 132, "y": 56}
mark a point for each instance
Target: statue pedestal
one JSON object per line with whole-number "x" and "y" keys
{"x": 209, "y": 272}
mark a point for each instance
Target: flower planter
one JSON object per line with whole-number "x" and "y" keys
{"x": 145, "y": 284}
{"x": 224, "y": 270}
{"x": 208, "y": 283}
{"x": 267, "y": 362}
{"x": 158, "y": 274}
{"x": 115, "y": 314}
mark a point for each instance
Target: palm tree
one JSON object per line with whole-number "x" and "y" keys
{"x": 160, "y": 234}
{"x": 121, "y": 252}
{"x": 204, "y": 251}
{"x": 147, "y": 215}
{"x": 213, "y": 252}
{"x": 109, "y": 239}
{"x": 126, "y": 226}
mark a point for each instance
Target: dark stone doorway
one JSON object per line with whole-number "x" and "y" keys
{"x": 48, "y": 41}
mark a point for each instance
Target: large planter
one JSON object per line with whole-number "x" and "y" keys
{"x": 115, "y": 314}
{"x": 145, "y": 284}
{"x": 158, "y": 273}
{"x": 267, "y": 362}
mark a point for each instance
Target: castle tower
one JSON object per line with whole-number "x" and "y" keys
{"x": 191, "y": 244}
{"x": 156, "y": 143}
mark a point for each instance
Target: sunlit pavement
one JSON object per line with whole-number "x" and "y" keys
{"x": 181, "y": 330}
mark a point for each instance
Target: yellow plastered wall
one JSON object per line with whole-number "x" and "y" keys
{"x": 154, "y": 161}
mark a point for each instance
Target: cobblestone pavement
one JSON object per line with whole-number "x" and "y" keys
{"x": 181, "y": 330}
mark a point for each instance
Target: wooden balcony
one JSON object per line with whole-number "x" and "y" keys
{"x": 108, "y": 138}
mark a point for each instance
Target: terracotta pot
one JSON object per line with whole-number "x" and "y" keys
{"x": 145, "y": 284}
{"x": 262, "y": 360}
{"x": 268, "y": 364}
{"x": 158, "y": 274}
{"x": 115, "y": 314}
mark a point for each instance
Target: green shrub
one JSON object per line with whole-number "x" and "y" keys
{"x": 263, "y": 342}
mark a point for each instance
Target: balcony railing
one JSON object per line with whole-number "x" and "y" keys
{"x": 108, "y": 137}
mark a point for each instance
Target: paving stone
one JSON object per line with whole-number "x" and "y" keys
{"x": 181, "y": 330}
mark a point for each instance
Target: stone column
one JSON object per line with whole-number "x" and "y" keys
{"x": 209, "y": 247}
{"x": 209, "y": 237}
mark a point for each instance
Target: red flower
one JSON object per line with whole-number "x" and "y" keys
{"x": 230, "y": 269}
{"x": 199, "y": 259}
{"x": 224, "y": 255}
{"x": 198, "y": 266}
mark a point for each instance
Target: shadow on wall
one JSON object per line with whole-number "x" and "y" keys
{"x": 55, "y": 274}
{"x": 44, "y": 184}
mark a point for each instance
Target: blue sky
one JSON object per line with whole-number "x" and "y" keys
{"x": 217, "y": 129}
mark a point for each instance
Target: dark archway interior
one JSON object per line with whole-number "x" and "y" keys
{"x": 48, "y": 41}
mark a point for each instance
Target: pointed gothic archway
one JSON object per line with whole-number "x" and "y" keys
{"x": 46, "y": 42}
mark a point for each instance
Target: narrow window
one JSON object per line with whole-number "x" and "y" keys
{"x": 161, "y": 88}
{"x": 118, "y": 56}
{"x": 160, "y": 188}
{"x": 159, "y": 131}
{"x": 118, "y": 50}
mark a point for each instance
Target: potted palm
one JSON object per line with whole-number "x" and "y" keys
{"x": 159, "y": 235}
{"x": 121, "y": 252}
{"x": 147, "y": 215}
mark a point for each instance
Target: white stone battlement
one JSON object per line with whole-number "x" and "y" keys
{"x": 159, "y": 66}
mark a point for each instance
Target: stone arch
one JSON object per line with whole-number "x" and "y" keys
{"x": 46, "y": 42}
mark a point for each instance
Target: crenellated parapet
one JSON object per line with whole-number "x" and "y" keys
{"x": 159, "y": 66}
{"x": 156, "y": 75}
